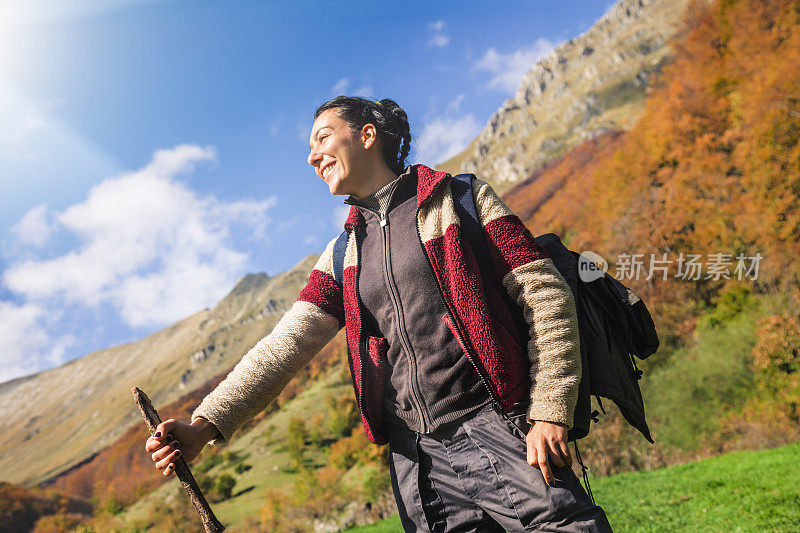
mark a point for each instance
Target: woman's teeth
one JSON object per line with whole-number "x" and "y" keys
{"x": 328, "y": 170}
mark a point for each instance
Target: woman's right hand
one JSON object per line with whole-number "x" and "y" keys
{"x": 173, "y": 438}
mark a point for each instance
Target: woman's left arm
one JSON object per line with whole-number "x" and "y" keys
{"x": 532, "y": 280}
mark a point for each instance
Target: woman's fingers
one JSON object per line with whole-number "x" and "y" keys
{"x": 166, "y": 461}
{"x": 544, "y": 465}
{"x": 164, "y": 428}
{"x": 164, "y": 452}
{"x": 565, "y": 453}
{"x": 160, "y": 436}
{"x": 555, "y": 454}
{"x": 532, "y": 456}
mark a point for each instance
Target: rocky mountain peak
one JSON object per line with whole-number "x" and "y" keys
{"x": 588, "y": 85}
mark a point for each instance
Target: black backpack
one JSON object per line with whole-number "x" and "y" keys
{"x": 614, "y": 323}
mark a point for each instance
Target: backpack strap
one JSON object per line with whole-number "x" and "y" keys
{"x": 339, "y": 247}
{"x": 464, "y": 202}
{"x": 471, "y": 228}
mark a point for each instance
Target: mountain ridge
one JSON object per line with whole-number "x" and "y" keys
{"x": 49, "y": 433}
{"x": 588, "y": 85}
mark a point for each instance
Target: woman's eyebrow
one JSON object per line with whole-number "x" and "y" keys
{"x": 316, "y": 133}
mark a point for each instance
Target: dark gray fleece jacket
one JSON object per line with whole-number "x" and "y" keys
{"x": 403, "y": 303}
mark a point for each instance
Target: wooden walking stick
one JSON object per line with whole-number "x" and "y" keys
{"x": 152, "y": 420}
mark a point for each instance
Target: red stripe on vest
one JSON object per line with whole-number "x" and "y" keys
{"x": 502, "y": 358}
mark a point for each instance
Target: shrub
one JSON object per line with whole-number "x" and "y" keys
{"x": 376, "y": 482}
{"x": 112, "y": 504}
{"x": 297, "y": 440}
{"x": 206, "y": 483}
{"x": 344, "y": 453}
{"x": 208, "y": 463}
{"x": 59, "y": 522}
{"x": 231, "y": 457}
{"x": 733, "y": 300}
{"x": 241, "y": 468}
{"x": 225, "y": 484}
{"x": 315, "y": 432}
{"x": 273, "y": 510}
{"x": 342, "y": 414}
{"x": 269, "y": 435}
{"x": 776, "y": 362}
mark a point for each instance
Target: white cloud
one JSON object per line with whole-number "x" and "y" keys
{"x": 455, "y": 105}
{"x": 22, "y": 136}
{"x": 304, "y": 130}
{"x": 55, "y": 102}
{"x": 25, "y": 346}
{"x": 365, "y": 91}
{"x": 438, "y": 39}
{"x": 507, "y": 70}
{"x": 148, "y": 245}
{"x": 340, "y": 87}
{"x": 447, "y": 135}
{"x": 34, "y": 228}
{"x": 275, "y": 128}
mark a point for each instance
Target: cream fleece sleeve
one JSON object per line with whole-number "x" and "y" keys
{"x": 267, "y": 368}
{"x": 532, "y": 280}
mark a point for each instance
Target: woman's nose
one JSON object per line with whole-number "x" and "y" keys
{"x": 313, "y": 158}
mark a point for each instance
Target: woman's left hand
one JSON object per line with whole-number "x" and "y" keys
{"x": 548, "y": 441}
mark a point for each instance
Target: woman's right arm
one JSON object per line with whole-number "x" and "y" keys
{"x": 262, "y": 373}
{"x": 313, "y": 320}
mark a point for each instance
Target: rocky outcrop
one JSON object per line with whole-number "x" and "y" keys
{"x": 588, "y": 85}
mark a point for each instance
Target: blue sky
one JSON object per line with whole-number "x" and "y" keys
{"x": 152, "y": 153}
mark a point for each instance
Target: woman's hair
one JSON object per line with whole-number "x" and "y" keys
{"x": 388, "y": 118}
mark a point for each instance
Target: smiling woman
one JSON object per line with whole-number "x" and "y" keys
{"x": 437, "y": 370}
{"x": 342, "y": 138}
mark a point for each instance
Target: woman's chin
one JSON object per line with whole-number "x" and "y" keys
{"x": 336, "y": 188}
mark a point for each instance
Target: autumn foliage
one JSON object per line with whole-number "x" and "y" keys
{"x": 712, "y": 165}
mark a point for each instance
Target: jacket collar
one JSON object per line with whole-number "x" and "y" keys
{"x": 428, "y": 181}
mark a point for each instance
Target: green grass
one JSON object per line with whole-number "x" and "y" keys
{"x": 390, "y": 525}
{"x": 742, "y": 491}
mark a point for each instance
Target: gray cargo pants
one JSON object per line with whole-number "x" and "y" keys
{"x": 472, "y": 475}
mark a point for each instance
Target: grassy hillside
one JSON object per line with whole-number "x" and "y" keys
{"x": 751, "y": 491}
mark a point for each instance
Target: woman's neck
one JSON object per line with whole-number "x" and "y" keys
{"x": 379, "y": 178}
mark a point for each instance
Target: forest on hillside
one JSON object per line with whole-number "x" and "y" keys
{"x": 706, "y": 186}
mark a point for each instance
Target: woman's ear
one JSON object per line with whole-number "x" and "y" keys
{"x": 369, "y": 135}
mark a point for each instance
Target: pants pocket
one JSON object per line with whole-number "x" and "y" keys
{"x": 563, "y": 506}
{"x": 517, "y": 420}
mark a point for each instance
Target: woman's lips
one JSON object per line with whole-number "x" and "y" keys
{"x": 328, "y": 170}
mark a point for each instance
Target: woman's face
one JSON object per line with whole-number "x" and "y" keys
{"x": 338, "y": 154}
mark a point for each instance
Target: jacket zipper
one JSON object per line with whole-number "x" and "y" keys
{"x": 416, "y": 396}
{"x": 467, "y": 346}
